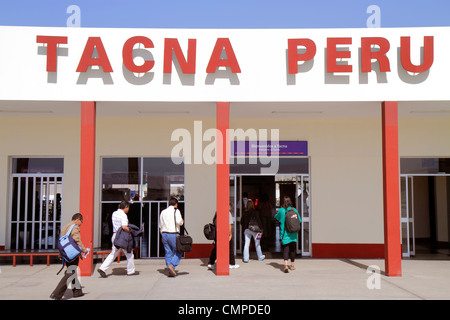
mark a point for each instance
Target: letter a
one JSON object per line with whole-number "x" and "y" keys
{"x": 374, "y": 21}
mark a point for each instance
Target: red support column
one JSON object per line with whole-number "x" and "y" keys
{"x": 391, "y": 190}
{"x": 223, "y": 189}
{"x": 87, "y": 182}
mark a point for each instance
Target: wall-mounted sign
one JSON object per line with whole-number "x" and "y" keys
{"x": 262, "y": 148}
{"x": 233, "y": 65}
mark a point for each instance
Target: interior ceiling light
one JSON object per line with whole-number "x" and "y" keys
{"x": 26, "y": 111}
{"x": 163, "y": 112}
{"x": 298, "y": 112}
{"x": 429, "y": 111}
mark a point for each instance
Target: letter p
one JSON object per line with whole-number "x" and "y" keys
{"x": 294, "y": 57}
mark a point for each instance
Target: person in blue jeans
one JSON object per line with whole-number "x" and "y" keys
{"x": 288, "y": 240}
{"x": 252, "y": 230}
{"x": 170, "y": 222}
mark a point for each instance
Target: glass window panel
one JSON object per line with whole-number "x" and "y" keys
{"x": 286, "y": 165}
{"x": 305, "y": 247}
{"x": 21, "y": 203}
{"x": 146, "y": 226}
{"x": 37, "y": 165}
{"x": 14, "y": 195}
{"x": 403, "y": 212}
{"x": 404, "y": 238}
{"x": 162, "y": 179}
{"x": 36, "y": 236}
{"x": 120, "y": 178}
{"x": 425, "y": 165}
{"x": 14, "y": 236}
{"x": 107, "y": 227}
{"x": 306, "y": 200}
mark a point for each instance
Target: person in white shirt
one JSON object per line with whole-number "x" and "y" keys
{"x": 170, "y": 221}
{"x": 119, "y": 220}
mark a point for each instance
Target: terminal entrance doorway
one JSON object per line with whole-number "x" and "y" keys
{"x": 425, "y": 213}
{"x": 425, "y": 208}
{"x": 267, "y": 193}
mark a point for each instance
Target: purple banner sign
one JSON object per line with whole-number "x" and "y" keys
{"x": 262, "y": 148}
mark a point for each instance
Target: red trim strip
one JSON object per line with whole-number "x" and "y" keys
{"x": 348, "y": 250}
{"x": 199, "y": 250}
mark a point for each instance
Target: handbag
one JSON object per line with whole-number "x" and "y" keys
{"x": 183, "y": 242}
{"x": 209, "y": 230}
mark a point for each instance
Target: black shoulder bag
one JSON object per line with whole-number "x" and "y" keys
{"x": 184, "y": 242}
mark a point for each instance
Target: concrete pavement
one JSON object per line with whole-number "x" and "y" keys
{"x": 318, "y": 279}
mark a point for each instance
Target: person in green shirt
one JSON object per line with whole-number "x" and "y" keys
{"x": 288, "y": 240}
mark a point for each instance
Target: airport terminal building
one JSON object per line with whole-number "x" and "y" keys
{"x": 352, "y": 124}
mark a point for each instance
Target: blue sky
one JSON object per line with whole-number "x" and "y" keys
{"x": 225, "y": 13}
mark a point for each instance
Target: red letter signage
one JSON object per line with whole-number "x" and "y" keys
{"x": 333, "y": 54}
{"x": 215, "y": 61}
{"x": 87, "y": 60}
{"x": 187, "y": 66}
{"x": 405, "y": 55}
{"x": 127, "y": 55}
{"x": 52, "y": 46}
{"x": 367, "y": 54}
{"x": 294, "y": 56}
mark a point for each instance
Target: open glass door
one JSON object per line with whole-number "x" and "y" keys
{"x": 236, "y": 211}
{"x": 304, "y": 201}
{"x": 407, "y": 216}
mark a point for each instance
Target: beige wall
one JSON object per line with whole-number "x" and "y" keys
{"x": 424, "y": 137}
{"x": 152, "y": 138}
{"x": 59, "y": 137}
{"x": 345, "y": 164}
{"x": 346, "y": 175}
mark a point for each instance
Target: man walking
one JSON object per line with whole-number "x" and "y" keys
{"x": 58, "y": 293}
{"x": 170, "y": 222}
{"x": 119, "y": 220}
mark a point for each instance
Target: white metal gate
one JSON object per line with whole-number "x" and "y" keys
{"x": 151, "y": 243}
{"x": 35, "y": 210}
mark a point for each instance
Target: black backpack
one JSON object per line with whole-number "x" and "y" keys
{"x": 292, "y": 221}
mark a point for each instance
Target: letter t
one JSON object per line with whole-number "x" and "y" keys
{"x": 52, "y": 46}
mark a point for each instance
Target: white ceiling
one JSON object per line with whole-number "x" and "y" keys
{"x": 288, "y": 110}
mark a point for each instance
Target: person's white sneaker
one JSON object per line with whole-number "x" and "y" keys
{"x": 234, "y": 266}
{"x": 210, "y": 266}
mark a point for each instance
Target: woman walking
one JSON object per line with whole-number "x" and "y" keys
{"x": 288, "y": 240}
{"x": 253, "y": 229}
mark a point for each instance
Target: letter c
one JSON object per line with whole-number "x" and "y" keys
{"x": 127, "y": 54}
